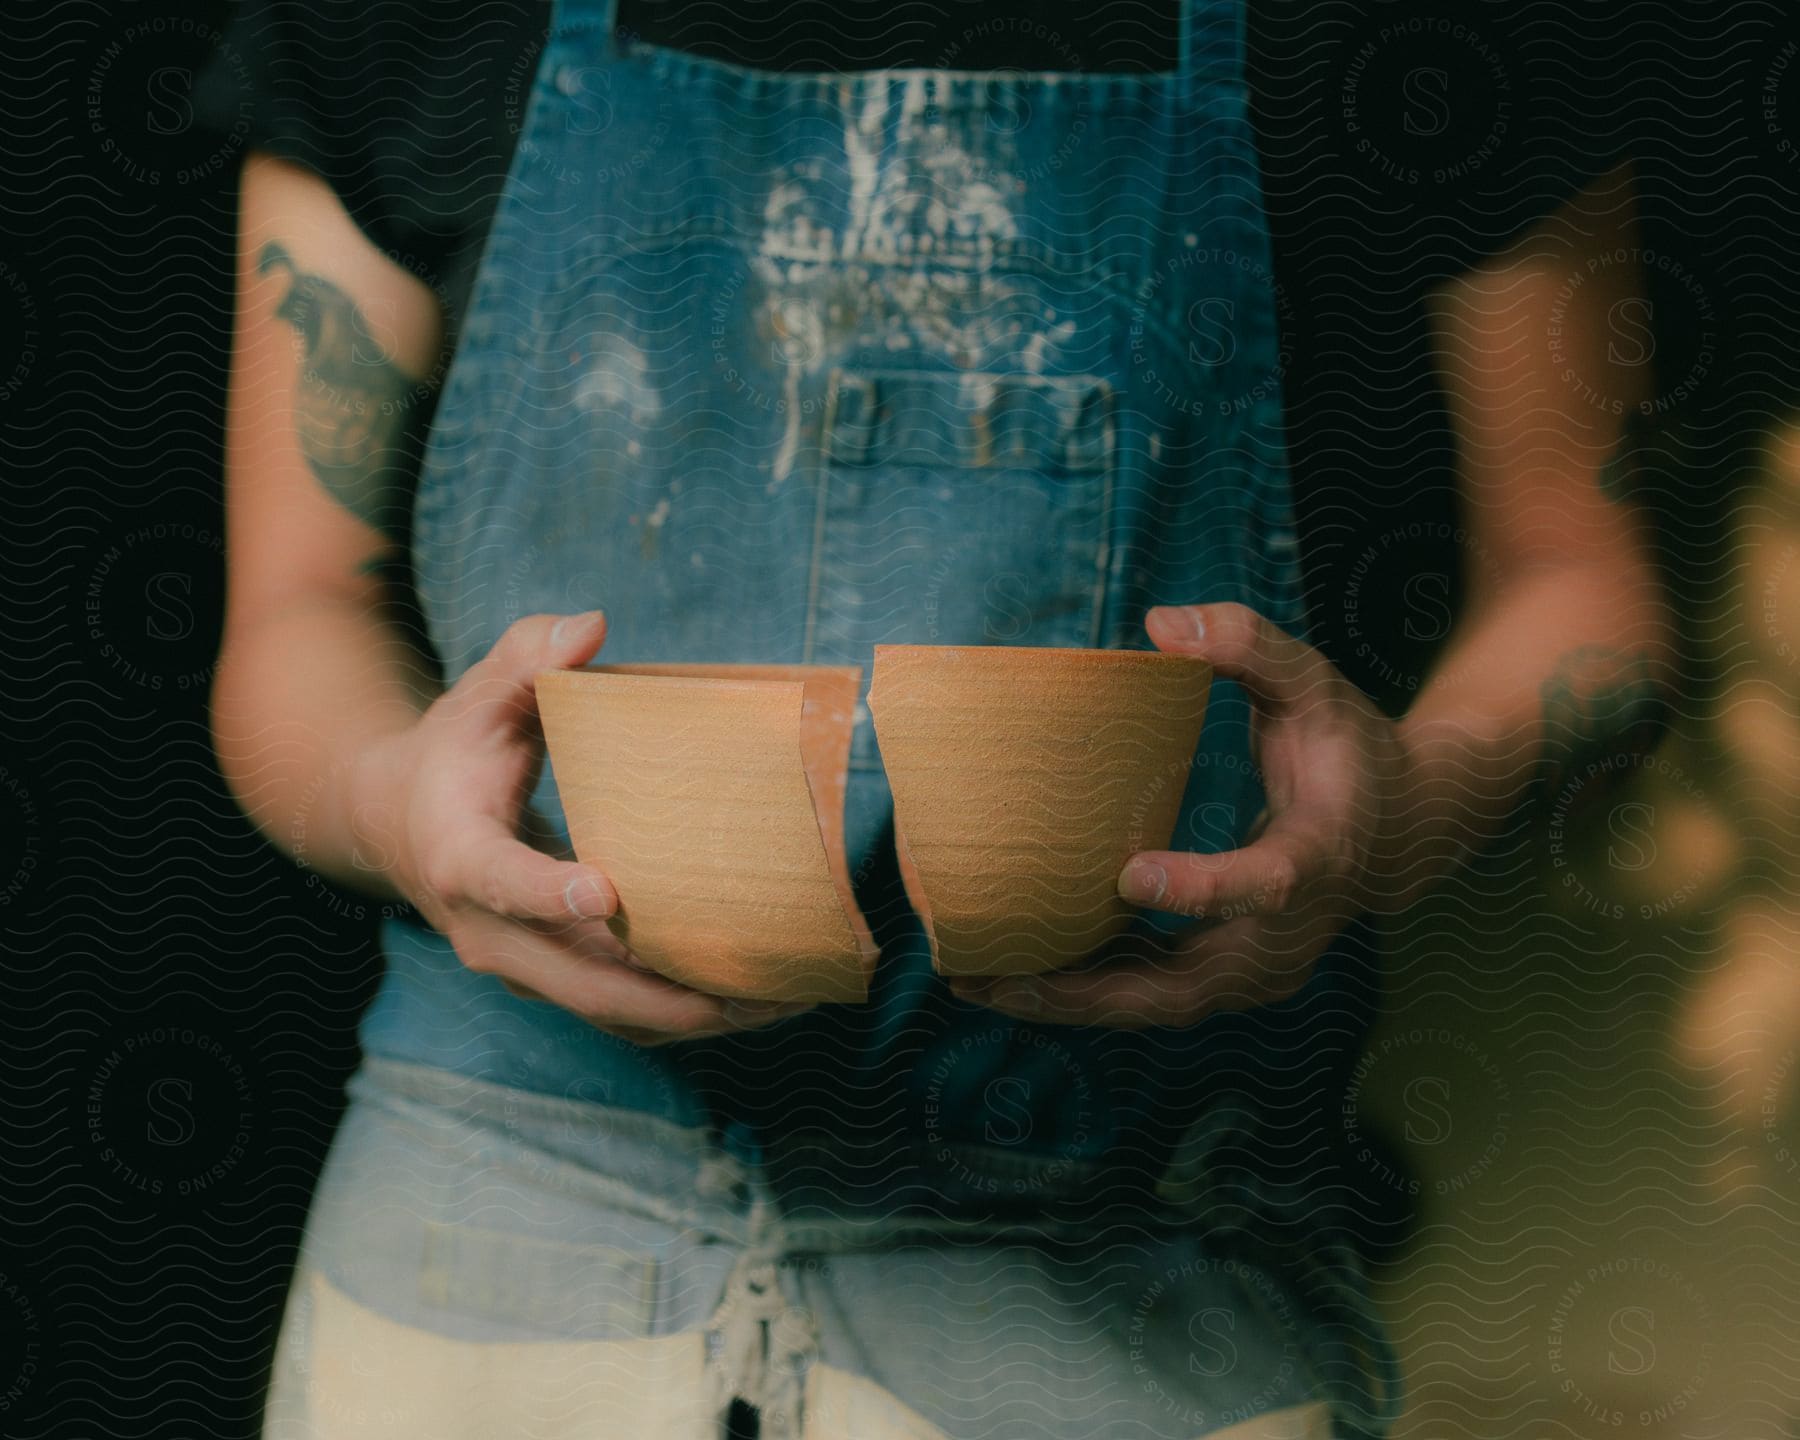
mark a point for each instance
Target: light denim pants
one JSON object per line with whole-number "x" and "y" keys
{"x": 483, "y": 1261}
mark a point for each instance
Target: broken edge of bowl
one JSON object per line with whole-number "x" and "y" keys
{"x": 712, "y": 797}
{"x": 1023, "y": 780}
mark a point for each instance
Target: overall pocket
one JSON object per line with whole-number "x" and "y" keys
{"x": 959, "y": 508}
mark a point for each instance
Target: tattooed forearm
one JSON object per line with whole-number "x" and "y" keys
{"x": 359, "y": 415}
{"x": 1602, "y": 706}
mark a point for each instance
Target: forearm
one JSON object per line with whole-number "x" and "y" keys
{"x": 303, "y": 693}
{"x": 1563, "y": 655}
{"x": 334, "y": 360}
{"x": 1563, "y": 667}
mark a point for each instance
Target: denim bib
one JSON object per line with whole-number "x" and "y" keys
{"x": 777, "y": 367}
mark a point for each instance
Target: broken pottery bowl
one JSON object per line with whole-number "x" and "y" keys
{"x": 1023, "y": 779}
{"x": 712, "y": 796}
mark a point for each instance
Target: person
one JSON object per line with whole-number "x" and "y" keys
{"x": 660, "y": 334}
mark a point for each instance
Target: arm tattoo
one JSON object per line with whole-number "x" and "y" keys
{"x": 1602, "y": 708}
{"x": 359, "y": 416}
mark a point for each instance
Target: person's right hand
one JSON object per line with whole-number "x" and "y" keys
{"x": 450, "y": 792}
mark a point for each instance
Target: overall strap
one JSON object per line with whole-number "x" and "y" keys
{"x": 1212, "y": 41}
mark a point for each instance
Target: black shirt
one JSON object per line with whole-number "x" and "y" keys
{"x": 1401, "y": 143}
{"x": 1445, "y": 127}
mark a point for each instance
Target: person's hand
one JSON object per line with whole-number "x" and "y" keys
{"x": 449, "y": 793}
{"x": 1326, "y": 848}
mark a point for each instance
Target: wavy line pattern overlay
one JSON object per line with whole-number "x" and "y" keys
{"x": 1571, "y": 1142}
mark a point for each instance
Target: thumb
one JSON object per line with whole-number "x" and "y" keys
{"x": 573, "y": 639}
{"x": 502, "y": 685}
{"x": 1241, "y": 645}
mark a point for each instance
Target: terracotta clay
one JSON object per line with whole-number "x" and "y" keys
{"x": 1023, "y": 779}
{"x": 712, "y": 796}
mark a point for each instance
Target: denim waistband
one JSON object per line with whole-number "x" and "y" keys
{"x": 689, "y": 1176}
{"x": 716, "y": 1183}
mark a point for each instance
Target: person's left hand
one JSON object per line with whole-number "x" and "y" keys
{"x": 1326, "y": 848}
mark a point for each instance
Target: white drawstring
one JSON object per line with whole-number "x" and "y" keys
{"x": 764, "y": 1344}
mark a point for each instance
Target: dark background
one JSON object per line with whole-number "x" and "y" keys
{"x": 179, "y": 999}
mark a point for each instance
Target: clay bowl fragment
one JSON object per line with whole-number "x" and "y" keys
{"x": 712, "y": 797}
{"x": 1023, "y": 779}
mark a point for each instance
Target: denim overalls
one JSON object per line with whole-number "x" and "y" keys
{"x": 778, "y": 367}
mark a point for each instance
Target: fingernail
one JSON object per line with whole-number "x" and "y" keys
{"x": 749, "y": 1014}
{"x": 569, "y": 626}
{"x": 1143, "y": 882}
{"x": 1180, "y": 624}
{"x": 587, "y": 899}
